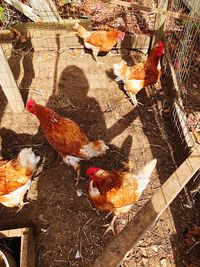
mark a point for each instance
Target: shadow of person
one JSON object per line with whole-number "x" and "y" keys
{"x": 3, "y": 103}
{"x": 72, "y": 101}
{"x": 22, "y": 52}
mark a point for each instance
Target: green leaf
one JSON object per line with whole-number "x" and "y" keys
{"x": 1, "y": 13}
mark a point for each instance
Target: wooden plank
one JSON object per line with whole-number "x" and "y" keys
{"x": 192, "y": 6}
{"x": 31, "y": 255}
{"x": 11, "y": 233}
{"x": 47, "y": 35}
{"x": 46, "y": 10}
{"x": 160, "y": 22}
{"x": 9, "y": 85}
{"x": 24, "y": 9}
{"x": 119, "y": 248}
{"x": 27, "y": 250}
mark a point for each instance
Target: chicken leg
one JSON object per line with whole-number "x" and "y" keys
{"x": 110, "y": 226}
{"x": 74, "y": 162}
{"x": 95, "y": 52}
{"x": 21, "y": 205}
{"x": 118, "y": 80}
{"x": 134, "y": 100}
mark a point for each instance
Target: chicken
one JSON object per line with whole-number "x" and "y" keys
{"x": 15, "y": 177}
{"x": 66, "y": 137}
{"x": 117, "y": 191}
{"x": 99, "y": 41}
{"x": 142, "y": 74}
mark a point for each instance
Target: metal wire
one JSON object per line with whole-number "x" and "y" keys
{"x": 184, "y": 44}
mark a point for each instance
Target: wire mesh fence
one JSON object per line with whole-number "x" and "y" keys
{"x": 184, "y": 48}
{"x": 40, "y": 82}
{"x": 183, "y": 38}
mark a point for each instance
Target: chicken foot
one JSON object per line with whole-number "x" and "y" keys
{"x": 118, "y": 80}
{"x": 133, "y": 99}
{"x": 78, "y": 175}
{"x": 95, "y": 53}
{"x": 21, "y": 205}
{"x": 74, "y": 162}
{"x": 110, "y": 226}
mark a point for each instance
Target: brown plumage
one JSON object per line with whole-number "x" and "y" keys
{"x": 117, "y": 191}
{"x": 66, "y": 137}
{"x": 99, "y": 41}
{"x": 15, "y": 174}
{"x": 142, "y": 74}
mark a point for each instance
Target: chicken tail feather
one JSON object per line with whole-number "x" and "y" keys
{"x": 82, "y": 32}
{"x": 145, "y": 174}
{"x": 16, "y": 197}
{"x": 94, "y": 149}
{"x": 27, "y": 158}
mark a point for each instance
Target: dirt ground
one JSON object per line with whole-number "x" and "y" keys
{"x": 68, "y": 230}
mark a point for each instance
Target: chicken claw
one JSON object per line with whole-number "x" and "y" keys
{"x": 118, "y": 79}
{"x": 21, "y": 205}
{"x": 78, "y": 178}
{"x": 110, "y": 227}
{"x": 134, "y": 100}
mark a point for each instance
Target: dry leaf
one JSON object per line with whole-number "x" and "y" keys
{"x": 79, "y": 192}
{"x": 191, "y": 265}
{"x": 78, "y": 255}
{"x": 163, "y": 262}
{"x": 155, "y": 248}
{"x": 145, "y": 261}
{"x": 196, "y": 135}
{"x": 193, "y": 235}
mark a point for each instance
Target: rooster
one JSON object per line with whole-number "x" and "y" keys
{"x": 99, "y": 41}
{"x": 142, "y": 74}
{"x": 117, "y": 191}
{"x": 66, "y": 137}
{"x": 15, "y": 177}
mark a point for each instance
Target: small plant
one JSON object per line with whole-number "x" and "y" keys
{"x": 1, "y": 13}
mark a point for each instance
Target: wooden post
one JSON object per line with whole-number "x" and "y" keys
{"x": 117, "y": 250}
{"x": 46, "y": 10}
{"x": 160, "y": 21}
{"x": 9, "y": 85}
{"x": 27, "y": 248}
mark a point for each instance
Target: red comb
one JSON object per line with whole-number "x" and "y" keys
{"x": 30, "y": 102}
{"x": 92, "y": 170}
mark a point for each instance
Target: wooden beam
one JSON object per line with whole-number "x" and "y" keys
{"x": 119, "y": 248}
{"x": 46, "y": 10}
{"x": 9, "y": 85}
{"x": 24, "y": 9}
{"x": 190, "y": 5}
{"x": 160, "y": 21}
{"x": 27, "y": 247}
{"x": 46, "y": 35}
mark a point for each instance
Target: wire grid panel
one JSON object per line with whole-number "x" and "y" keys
{"x": 186, "y": 41}
{"x": 183, "y": 48}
